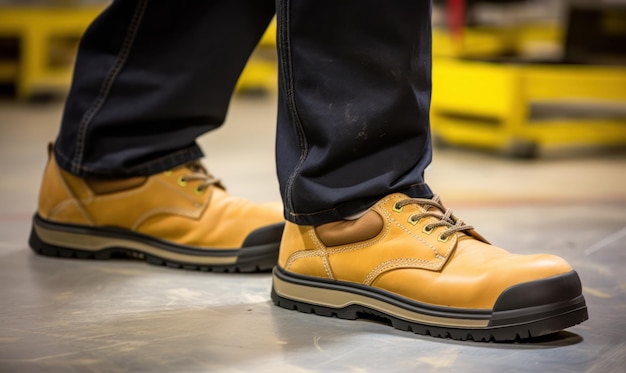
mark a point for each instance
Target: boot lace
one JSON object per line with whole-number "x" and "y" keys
{"x": 434, "y": 208}
{"x": 200, "y": 173}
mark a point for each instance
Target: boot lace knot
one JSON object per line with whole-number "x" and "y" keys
{"x": 434, "y": 208}
{"x": 200, "y": 173}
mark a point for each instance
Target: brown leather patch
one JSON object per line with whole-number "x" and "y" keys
{"x": 350, "y": 231}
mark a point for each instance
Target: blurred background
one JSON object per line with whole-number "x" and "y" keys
{"x": 519, "y": 77}
{"x": 529, "y": 122}
{"x": 513, "y": 80}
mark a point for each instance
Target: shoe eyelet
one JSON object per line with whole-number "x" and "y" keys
{"x": 396, "y": 208}
{"x": 167, "y": 173}
{"x": 412, "y": 221}
{"x": 198, "y": 190}
{"x": 181, "y": 181}
{"x": 427, "y": 229}
{"x": 442, "y": 239}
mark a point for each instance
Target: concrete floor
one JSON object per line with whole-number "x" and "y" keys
{"x": 64, "y": 315}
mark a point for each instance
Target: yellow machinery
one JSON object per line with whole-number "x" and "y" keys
{"x": 41, "y": 33}
{"x": 47, "y": 38}
{"x": 519, "y": 107}
{"x": 514, "y": 107}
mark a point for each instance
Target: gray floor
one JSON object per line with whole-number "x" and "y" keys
{"x": 60, "y": 315}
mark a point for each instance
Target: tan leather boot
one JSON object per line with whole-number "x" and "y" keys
{"x": 412, "y": 262}
{"x": 180, "y": 218}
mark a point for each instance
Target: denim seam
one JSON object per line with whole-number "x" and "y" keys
{"x": 287, "y": 68}
{"x": 107, "y": 84}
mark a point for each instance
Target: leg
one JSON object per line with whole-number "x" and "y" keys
{"x": 354, "y": 135}
{"x": 353, "y": 114}
{"x": 151, "y": 75}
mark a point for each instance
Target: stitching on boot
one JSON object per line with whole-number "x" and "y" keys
{"x": 73, "y": 198}
{"x": 397, "y": 264}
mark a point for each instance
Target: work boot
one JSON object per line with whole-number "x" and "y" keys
{"x": 179, "y": 218}
{"x": 412, "y": 262}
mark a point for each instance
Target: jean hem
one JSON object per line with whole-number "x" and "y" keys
{"x": 421, "y": 190}
{"x": 154, "y": 166}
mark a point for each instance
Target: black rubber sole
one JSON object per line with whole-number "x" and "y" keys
{"x": 258, "y": 254}
{"x": 353, "y": 301}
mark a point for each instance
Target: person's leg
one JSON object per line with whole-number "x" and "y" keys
{"x": 152, "y": 75}
{"x": 353, "y": 134}
{"x": 354, "y": 107}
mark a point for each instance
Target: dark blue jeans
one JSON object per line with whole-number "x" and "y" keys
{"x": 354, "y": 94}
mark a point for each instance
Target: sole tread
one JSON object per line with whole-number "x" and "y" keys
{"x": 122, "y": 253}
{"x": 258, "y": 254}
{"x": 502, "y": 333}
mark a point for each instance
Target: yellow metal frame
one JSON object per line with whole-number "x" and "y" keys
{"x": 34, "y": 27}
{"x": 484, "y": 41}
{"x": 488, "y": 105}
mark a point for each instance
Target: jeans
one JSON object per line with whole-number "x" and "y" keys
{"x": 354, "y": 94}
